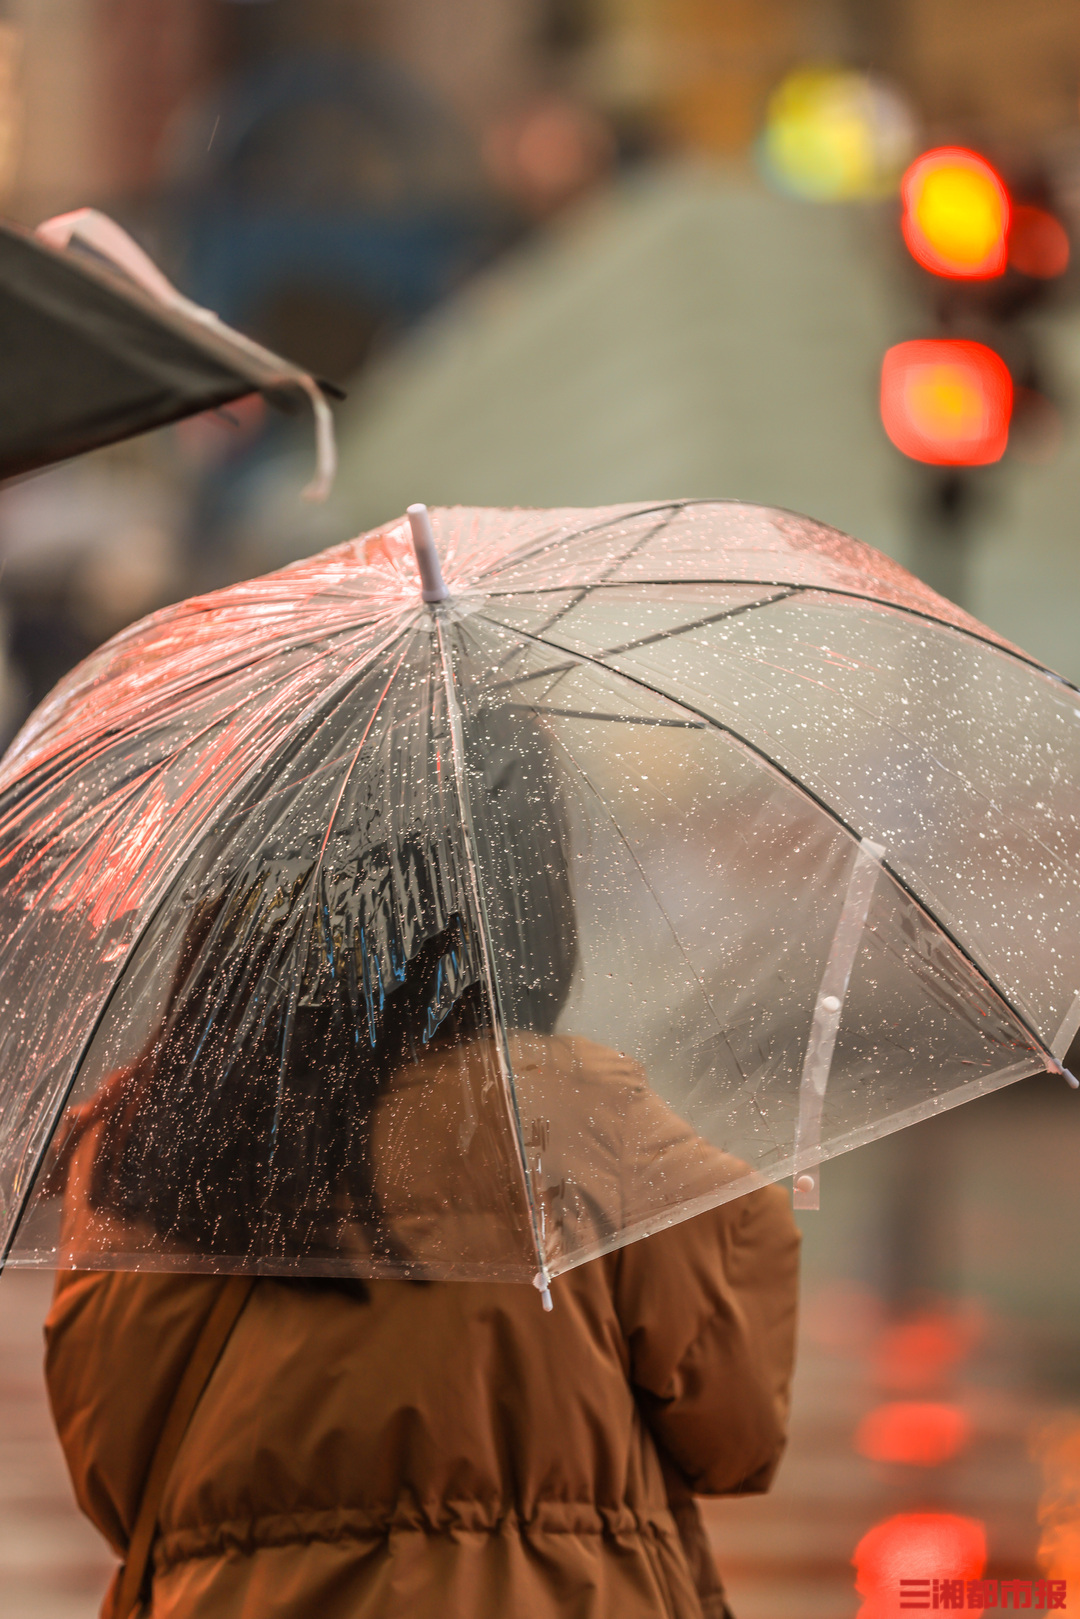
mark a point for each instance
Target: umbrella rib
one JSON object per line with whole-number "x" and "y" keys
{"x": 684, "y": 629}
{"x": 579, "y": 593}
{"x": 823, "y": 804}
{"x": 806, "y": 589}
{"x": 302, "y": 928}
{"x": 617, "y": 562}
{"x": 620, "y": 719}
{"x": 109, "y": 739}
{"x": 356, "y": 755}
{"x": 560, "y": 536}
{"x": 131, "y": 789}
{"x": 340, "y": 685}
{"x": 668, "y": 507}
{"x": 513, "y": 682}
{"x": 956, "y": 775}
{"x": 468, "y": 834}
{"x": 179, "y": 696}
{"x": 700, "y": 623}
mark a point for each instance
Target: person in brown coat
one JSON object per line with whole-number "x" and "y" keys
{"x": 442, "y": 1450}
{"x": 376, "y": 1449}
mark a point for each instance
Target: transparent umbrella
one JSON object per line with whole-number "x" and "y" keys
{"x": 354, "y": 923}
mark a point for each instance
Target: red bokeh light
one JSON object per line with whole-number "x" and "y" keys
{"x": 946, "y": 401}
{"x": 1038, "y": 244}
{"x": 549, "y": 152}
{"x": 914, "y": 1432}
{"x": 915, "y": 1545}
{"x": 913, "y": 1355}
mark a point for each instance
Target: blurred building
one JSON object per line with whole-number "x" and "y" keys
{"x": 659, "y": 344}
{"x": 330, "y": 175}
{"x": 315, "y": 173}
{"x": 988, "y": 70}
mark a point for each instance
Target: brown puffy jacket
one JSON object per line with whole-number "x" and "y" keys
{"x": 441, "y": 1450}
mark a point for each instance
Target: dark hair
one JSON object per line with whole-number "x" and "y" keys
{"x": 523, "y": 843}
{"x": 244, "y": 1125}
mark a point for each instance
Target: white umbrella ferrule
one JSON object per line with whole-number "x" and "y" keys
{"x": 433, "y": 586}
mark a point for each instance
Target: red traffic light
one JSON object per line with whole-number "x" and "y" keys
{"x": 946, "y": 401}
{"x": 956, "y": 214}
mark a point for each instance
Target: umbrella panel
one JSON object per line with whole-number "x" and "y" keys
{"x": 721, "y": 542}
{"x": 960, "y": 758}
{"x": 492, "y": 973}
{"x": 254, "y": 1097}
{"x": 708, "y": 891}
{"x": 104, "y": 792}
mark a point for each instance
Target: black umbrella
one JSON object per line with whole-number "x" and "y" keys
{"x": 96, "y": 346}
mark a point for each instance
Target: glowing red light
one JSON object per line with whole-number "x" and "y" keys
{"x": 1038, "y": 244}
{"x": 956, "y": 214}
{"x": 914, "y": 1432}
{"x": 946, "y": 401}
{"x": 912, "y": 1546}
{"x": 913, "y": 1354}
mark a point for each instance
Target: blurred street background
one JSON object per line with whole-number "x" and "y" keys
{"x": 568, "y": 252}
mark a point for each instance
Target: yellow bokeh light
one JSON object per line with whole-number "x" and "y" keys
{"x": 956, "y": 214}
{"x": 833, "y": 134}
{"x": 961, "y": 213}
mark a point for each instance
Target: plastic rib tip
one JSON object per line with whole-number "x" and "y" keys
{"x": 542, "y": 1283}
{"x": 433, "y": 585}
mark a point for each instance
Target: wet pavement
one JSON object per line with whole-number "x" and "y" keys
{"x": 940, "y": 1281}
{"x": 53, "y": 1565}
{"x": 941, "y": 1291}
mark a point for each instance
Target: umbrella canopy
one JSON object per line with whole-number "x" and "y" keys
{"x": 95, "y": 350}
{"x": 677, "y": 849}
